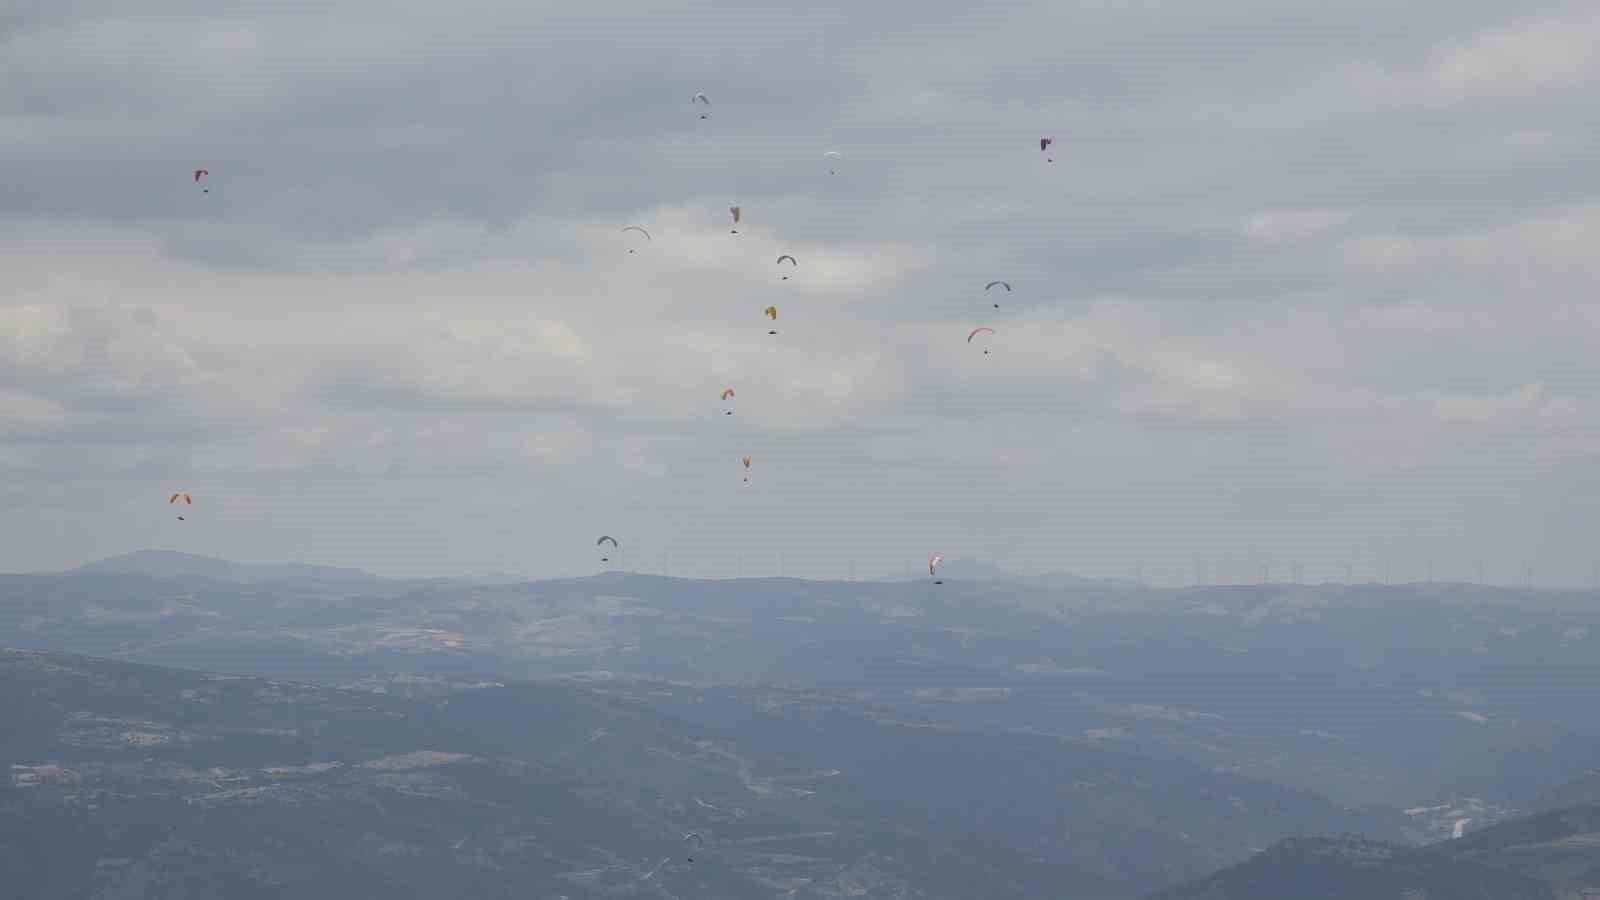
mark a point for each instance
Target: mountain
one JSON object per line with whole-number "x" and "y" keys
{"x": 1560, "y": 848}
{"x": 1398, "y": 697}
{"x": 135, "y": 781}
{"x": 1351, "y": 868}
{"x": 1551, "y": 856}
{"x": 170, "y": 564}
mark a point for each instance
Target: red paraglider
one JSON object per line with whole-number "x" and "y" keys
{"x": 981, "y": 329}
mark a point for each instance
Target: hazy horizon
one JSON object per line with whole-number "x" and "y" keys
{"x": 956, "y": 569}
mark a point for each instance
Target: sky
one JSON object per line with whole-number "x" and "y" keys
{"x": 1306, "y": 284}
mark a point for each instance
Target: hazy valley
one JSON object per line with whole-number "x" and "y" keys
{"x": 1006, "y": 737}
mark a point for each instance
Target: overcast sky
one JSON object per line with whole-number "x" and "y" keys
{"x": 1306, "y": 282}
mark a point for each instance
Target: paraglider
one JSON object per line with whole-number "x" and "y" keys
{"x": 180, "y": 495}
{"x": 604, "y": 538}
{"x": 736, "y": 216}
{"x": 700, "y": 99}
{"x": 1044, "y": 144}
{"x": 647, "y": 238}
{"x": 933, "y": 568}
{"x": 792, "y": 263}
{"x": 200, "y": 174}
{"x": 726, "y": 393}
{"x": 991, "y": 285}
{"x": 771, "y": 312}
{"x": 694, "y": 842}
{"x": 747, "y": 468}
{"x": 832, "y": 156}
{"x": 980, "y": 330}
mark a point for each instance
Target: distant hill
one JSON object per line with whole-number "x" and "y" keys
{"x": 137, "y": 782}
{"x": 169, "y": 563}
{"x": 969, "y": 569}
{"x": 1351, "y": 868}
{"x": 1388, "y": 697}
{"x": 1561, "y": 848}
{"x": 1551, "y": 856}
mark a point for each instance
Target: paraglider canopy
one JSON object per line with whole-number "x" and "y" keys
{"x": 199, "y": 174}
{"x": 727, "y": 392}
{"x": 1044, "y": 144}
{"x": 694, "y": 842}
{"x": 180, "y": 495}
{"x": 701, "y": 99}
{"x": 747, "y": 468}
{"x": 832, "y": 156}
{"x": 736, "y": 215}
{"x": 933, "y": 567}
{"x": 647, "y": 238}
{"x": 981, "y": 329}
{"x": 990, "y": 286}
{"x": 771, "y": 312}
{"x": 792, "y": 263}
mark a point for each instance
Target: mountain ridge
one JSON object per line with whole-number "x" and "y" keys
{"x": 174, "y": 563}
{"x": 1546, "y": 856}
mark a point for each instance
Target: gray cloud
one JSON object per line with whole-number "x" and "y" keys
{"x": 1304, "y": 283}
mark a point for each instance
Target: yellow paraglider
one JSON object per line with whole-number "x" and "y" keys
{"x": 771, "y": 312}
{"x": 180, "y": 495}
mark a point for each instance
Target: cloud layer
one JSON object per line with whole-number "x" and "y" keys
{"x": 1302, "y": 285}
